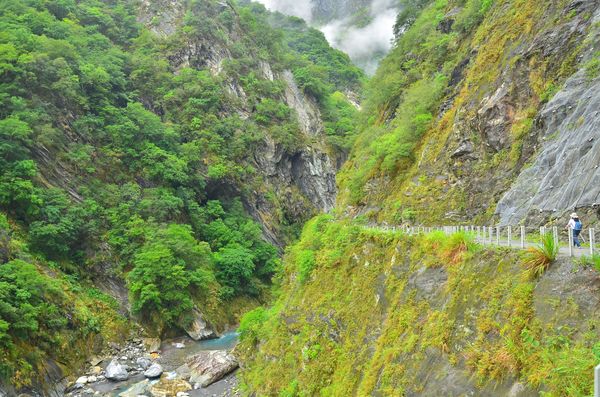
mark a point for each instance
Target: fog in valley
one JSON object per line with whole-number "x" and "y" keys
{"x": 365, "y": 37}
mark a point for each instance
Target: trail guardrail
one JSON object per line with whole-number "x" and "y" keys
{"x": 505, "y": 236}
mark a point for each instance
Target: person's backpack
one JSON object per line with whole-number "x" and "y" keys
{"x": 578, "y": 225}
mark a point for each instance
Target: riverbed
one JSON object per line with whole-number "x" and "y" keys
{"x": 172, "y": 356}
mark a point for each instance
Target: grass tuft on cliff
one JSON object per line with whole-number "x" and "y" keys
{"x": 538, "y": 259}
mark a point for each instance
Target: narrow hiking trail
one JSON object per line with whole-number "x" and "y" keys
{"x": 504, "y": 241}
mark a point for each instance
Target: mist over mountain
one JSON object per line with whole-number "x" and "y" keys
{"x": 361, "y": 28}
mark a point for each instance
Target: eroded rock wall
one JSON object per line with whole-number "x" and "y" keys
{"x": 565, "y": 174}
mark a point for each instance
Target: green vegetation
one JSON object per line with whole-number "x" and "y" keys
{"x": 426, "y": 140}
{"x": 403, "y": 97}
{"x": 383, "y": 310}
{"x": 446, "y": 124}
{"x": 592, "y": 67}
{"x": 591, "y": 261}
{"x": 325, "y": 74}
{"x": 44, "y": 311}
{"x": 118, "y": 157}
{"x": 537, "y": 259}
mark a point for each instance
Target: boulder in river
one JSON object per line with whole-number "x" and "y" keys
{"x": 169, "y": 387}
{"x": 198, "y": 329}
{"x": 82, "y": 380}
{"x": 210, "y": 366}
{"x": 154, "y": 371}
{"x": 143, "y": 362}
{"x": 137, "y": 389}
{"x": 184, "y": 372}
{"x": 116, "y": 371}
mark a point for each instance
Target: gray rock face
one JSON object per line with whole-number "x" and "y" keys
{"x": 303, "y": 177}
{"x": 116, "y": 371}
{"x": 198, "y": 329}
{"x": 154, "y": 371}
{"x": 309, "y": 115}
{"x": 210, "y": 366}
{"x": 566, "y": 173}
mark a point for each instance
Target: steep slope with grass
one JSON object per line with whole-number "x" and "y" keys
{"x": 368, "y": 312}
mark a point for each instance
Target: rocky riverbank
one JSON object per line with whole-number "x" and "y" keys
{"x": 148, "y": 367}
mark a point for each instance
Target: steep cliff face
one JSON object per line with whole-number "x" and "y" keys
{"x": 484, "y": 111}
{"x": 486, "y": 116}
{"x": 564, "y": 175}
{"x": 146, "y": 151}
{"x": 303, "y": 176}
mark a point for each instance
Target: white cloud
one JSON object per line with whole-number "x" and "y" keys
{"x": 299, "y": 8}
{"x": 364, "y": 45}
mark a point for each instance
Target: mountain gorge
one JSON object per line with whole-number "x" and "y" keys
{"x": 155, "y": 157}
{"x": 483, "y": 113}
{"x": 364, "y": 29}
{"x": 191, "y": 166}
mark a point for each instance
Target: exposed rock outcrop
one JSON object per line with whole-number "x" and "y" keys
{"x": 565, "y": 175}
{"x": 309, "y": 115}
{"x": 303, "y": 177}
{"x": 154, "y": 371}
{"x": 137, "y": 389}
{"x": 198, "y": 329}
{"x": 169, "y": 387}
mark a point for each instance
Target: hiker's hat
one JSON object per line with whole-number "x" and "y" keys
{"x": 574, "y": 215}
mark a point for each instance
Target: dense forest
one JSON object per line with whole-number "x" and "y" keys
{"x": 120, "y": 161}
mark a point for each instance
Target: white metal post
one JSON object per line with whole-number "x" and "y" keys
{"x": 570, "y": 242}
{"x": 497, "y": 235}
{"x": 555, "y": 233}
{"x": 509, "y": 235}
{"x": 491, "y": 229}
{"x": 591, "y": 241}
{"x": 522, "y": 237}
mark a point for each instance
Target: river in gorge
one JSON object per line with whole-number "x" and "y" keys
{"x": 172, "y": 357}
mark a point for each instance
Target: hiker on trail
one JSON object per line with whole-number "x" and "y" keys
{"x": 576, "y": 225}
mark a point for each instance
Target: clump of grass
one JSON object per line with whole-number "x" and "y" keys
{"x": 457, "y": 245}
{"x": 590, "y": 260}
{"x": 538, "y": 259}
